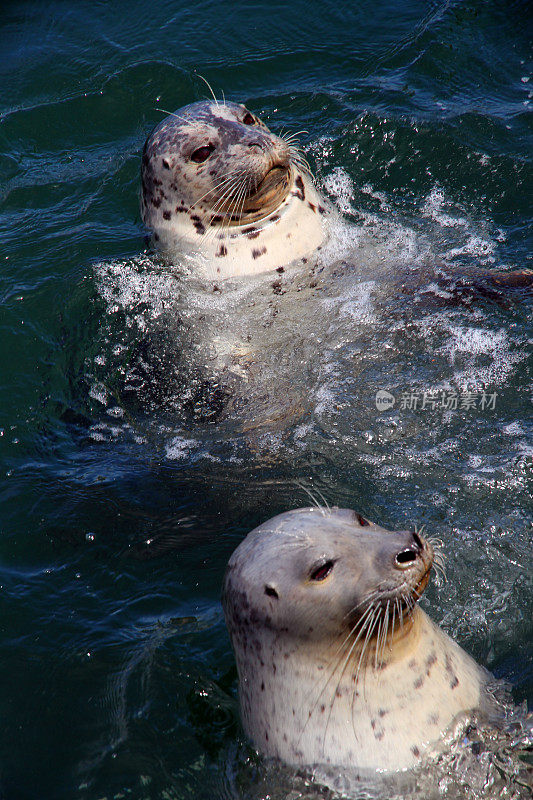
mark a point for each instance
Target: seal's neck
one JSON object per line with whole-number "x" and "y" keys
{"x": 293, "y": 230}
{"x": 308, "y": 704}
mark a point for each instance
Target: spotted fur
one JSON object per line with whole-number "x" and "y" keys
{"x": 322, "y": 678}
{"x": 214, "y": 172}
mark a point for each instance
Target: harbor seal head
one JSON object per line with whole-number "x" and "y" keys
{"x": 337, "y": 663}
{"x": 219, "y": 186}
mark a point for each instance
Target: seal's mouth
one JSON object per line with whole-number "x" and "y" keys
{"x": 269, "y": 193}
{"x": 419, "y": 587}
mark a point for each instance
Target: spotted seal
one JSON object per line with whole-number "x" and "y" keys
{"x": 337, "y": 663}
{"x": 219, "y": 186}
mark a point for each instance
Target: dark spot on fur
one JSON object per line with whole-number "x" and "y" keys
{"x": 278, "y": 290}
{"x": 165, "y": 163}
{"x": 304, "y": 261}
{"x": 373, "y": 723}
{"x": 256, "y": 252}
{"x": 216, "y": 288}
{"x": 301, "y": 190}
{"x": 216, "y": 219}
{"x": 430, "y": 660}
{"x": 266, "y": 735}
{"x": 253, "y": 235}
{"x": 199, "y": 228}
{"x": 449, "y": 665}
{"x": 280, "y": 269}
{"x": 263, "y": 686}
{"x": 222, "y": 251}
{"x": 379, "y": 735}
{"x": 382, "y": 712}
{"x": 156, "y": 202}
{"x": 433, "y": 719}
{"x": 454, "y": 682}
{"x": 166, "y": 214}
{"x": 180, "y": 209}
{"x": 415, "y": 751}
{"x": 322, "y": 709}
{"x": 418, "y": 683}
{"x": 311, "y": 206}
{"x": 321, "y": 209}
{"x": 274, "y": 217}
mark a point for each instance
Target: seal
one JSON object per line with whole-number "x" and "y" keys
{"x": 217, "y": 185}
{"x": 337, "y": 663}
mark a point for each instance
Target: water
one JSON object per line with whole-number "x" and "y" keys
{"x": 124, "y": 491}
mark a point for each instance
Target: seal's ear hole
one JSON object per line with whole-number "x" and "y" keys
{"x": 202, "y": 153}
{"x": 321, "y": 573}
{"x": 362, "y": 521}
{"x": 249, "y": 119}
{"x": 271, "y": 592}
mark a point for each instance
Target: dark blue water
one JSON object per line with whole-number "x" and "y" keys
{"x": 120, "y": 508}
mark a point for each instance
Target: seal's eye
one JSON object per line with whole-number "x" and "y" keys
{"x": 362, "y": 521}
{"x": 202, "y": 153}
{"x": 248, "y": 119}
{"x": 321, "y": 573}
{"x": 271, "y": 592}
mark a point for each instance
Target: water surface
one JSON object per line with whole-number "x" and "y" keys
{"x": 124, "y": 493}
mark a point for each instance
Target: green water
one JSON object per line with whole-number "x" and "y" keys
{"x": 120, "y": 509}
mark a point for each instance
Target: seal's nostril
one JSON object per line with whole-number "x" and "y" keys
{"x": 406, "y": 557}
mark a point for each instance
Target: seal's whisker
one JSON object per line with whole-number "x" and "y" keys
{"x": 393, "y": 623}
{"x": 311, "y": 496}
{"x": 299, "y": 160}
{"x": 294, "y": 135}
{"x": 170, "y": 113}
{"x": 384, "y": 639}
{"x": 369, "y": 614}
{"x": 368, "y": 636}
{"x": 363, "y": 621}
{"x": 223, "y": 182}
{"x": 369, "y": 598}
{"x": 440, "y": 570}
{"x": 231, "y": 193}
{"x": 378, "y": 640}
{"x": 436, "y": 543}
{"x": 208, "y": 86}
